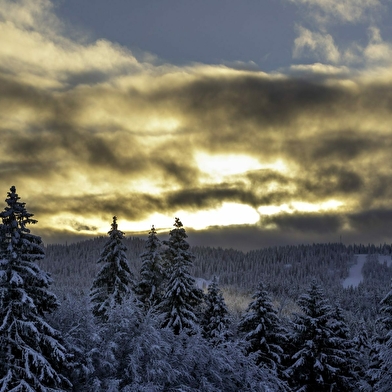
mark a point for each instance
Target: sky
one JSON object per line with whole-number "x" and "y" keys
{"x": 257, "y": 123}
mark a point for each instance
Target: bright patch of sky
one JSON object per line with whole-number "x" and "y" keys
{"x": 219, "y": 166}
{"x": 300, "y": 206}
{"x": 227, "y": 214}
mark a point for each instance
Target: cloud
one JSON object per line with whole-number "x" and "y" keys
{"x": 315, "y": 44}
{"x": 323, "y": 38}
{"x": 89, "y": 131}
{"x": 352, "y": 11}
{"x": 310, "y": 222}
{"x": 322, "y": 47}
{"x": 377, "y": 51}
{"x": 319, "y": 71}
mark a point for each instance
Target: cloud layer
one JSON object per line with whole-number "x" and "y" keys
{"x": 89, "y": 131}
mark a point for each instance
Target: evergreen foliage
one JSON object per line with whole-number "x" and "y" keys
{"x": 349, "y": 369}
{"x": 114, "y": 281}
{"x": 113, "y": 346}
{"x": 149, "y": 288}
{"x": 32, "y": 357}
{"x": 215, "y": 320}
{"x": 181, "y": 294}
{"x": 79, "y": 331}
{"x": 322, "y": 358}
{"x": 374, "y": 368}
{"x": 383, "y": 373}
{"x": 367, "y": 364}
{"x": 263, "y": 330}
{"x": 134, "y": 354}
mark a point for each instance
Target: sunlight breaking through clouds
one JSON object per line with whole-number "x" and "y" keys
{"x": 89, "y": 130}
{"x": 300, "y": 206}
{"x": 219, "y": 166}
{"x": 225, "y": 215}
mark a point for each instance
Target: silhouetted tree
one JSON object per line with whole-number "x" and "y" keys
{"x": 114, "y": 281}
{"x": 181, "y": 294}
{"x": 321, "y": 362}
{"x": 215, "y": 320}
{"x": 149, "y": 289}
{"x": 263, "y": 330}
{"x": 32, "y": 357}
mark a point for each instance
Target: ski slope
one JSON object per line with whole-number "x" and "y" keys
{"x": 355, "y": 276}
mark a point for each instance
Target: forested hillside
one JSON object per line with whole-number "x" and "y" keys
{"x": 75, "y": 264}
{"x": 285, "y": 270}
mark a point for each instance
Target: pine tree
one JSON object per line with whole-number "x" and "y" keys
{"x": 383, "y": 373}
{"x": 363, "y": 362}
{"x": 114, "y": 345}
{"x": 320, "y": 358}
{"x": 114, "y": 281}
{"x": 181, "y": 294}
{"x": 149, "y": 288}
{"x": 263, "y": 330}
{"x": 348, "y": 375}
{"x": 215, "y": 320}
{"x": 32, "y": 357}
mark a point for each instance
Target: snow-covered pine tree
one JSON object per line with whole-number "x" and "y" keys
{"x": 215, "y": 320}
{"x": 363, "y": 361}
{"x": 114, "y": 344}
{"x": 374, "y": 368}
{"x": 32, "y": 357}
{"x": 181, "y": 296}
{"x": 319, "y": 360}
{"x": 149, "y": 288}
{"x": 383, "y": 374}
{"x": 114, "y": 281}
{"x": 347, "y": 379}
{"x": 263, "y": 330}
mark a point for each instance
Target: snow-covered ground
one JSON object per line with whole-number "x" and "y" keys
{"x": 355, "y": 276}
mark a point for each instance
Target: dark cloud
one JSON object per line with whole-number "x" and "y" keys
{"x": 331, "y": 181}
{"x": 16, "y": 95}
{"x": 177, "y": 170}
{"x": 345, "y": 145}
{"x": 265, "y": 176}
{"x": 79, "y": 226}
{"x": 321, "y": 223}
{"x": 246, "y": 112}
{"x": 131, "y": 206}
{"x": 376, "y": 221}
{"x": 86, "y": 77}
{"x": 209, "y": 197}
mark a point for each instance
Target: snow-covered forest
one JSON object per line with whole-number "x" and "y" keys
{"x": 124, "y": 314}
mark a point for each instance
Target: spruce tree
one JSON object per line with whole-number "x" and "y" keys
{"x": 32, "y": 357}
{"x": 320, "y": 360}
{"x": 149, "y": 288}
{"x": 215, "y": 320}
{"x": 263, "y": 330}
{"x": 114, "y": 281}
{"x": 363, "y": 361}
{"x": 181, "y": 294}
{"x": 383, "y": 373}
{"x": 347, "y": 379}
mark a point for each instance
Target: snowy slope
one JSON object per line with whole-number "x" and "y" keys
{"x": 355, "y": 276}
